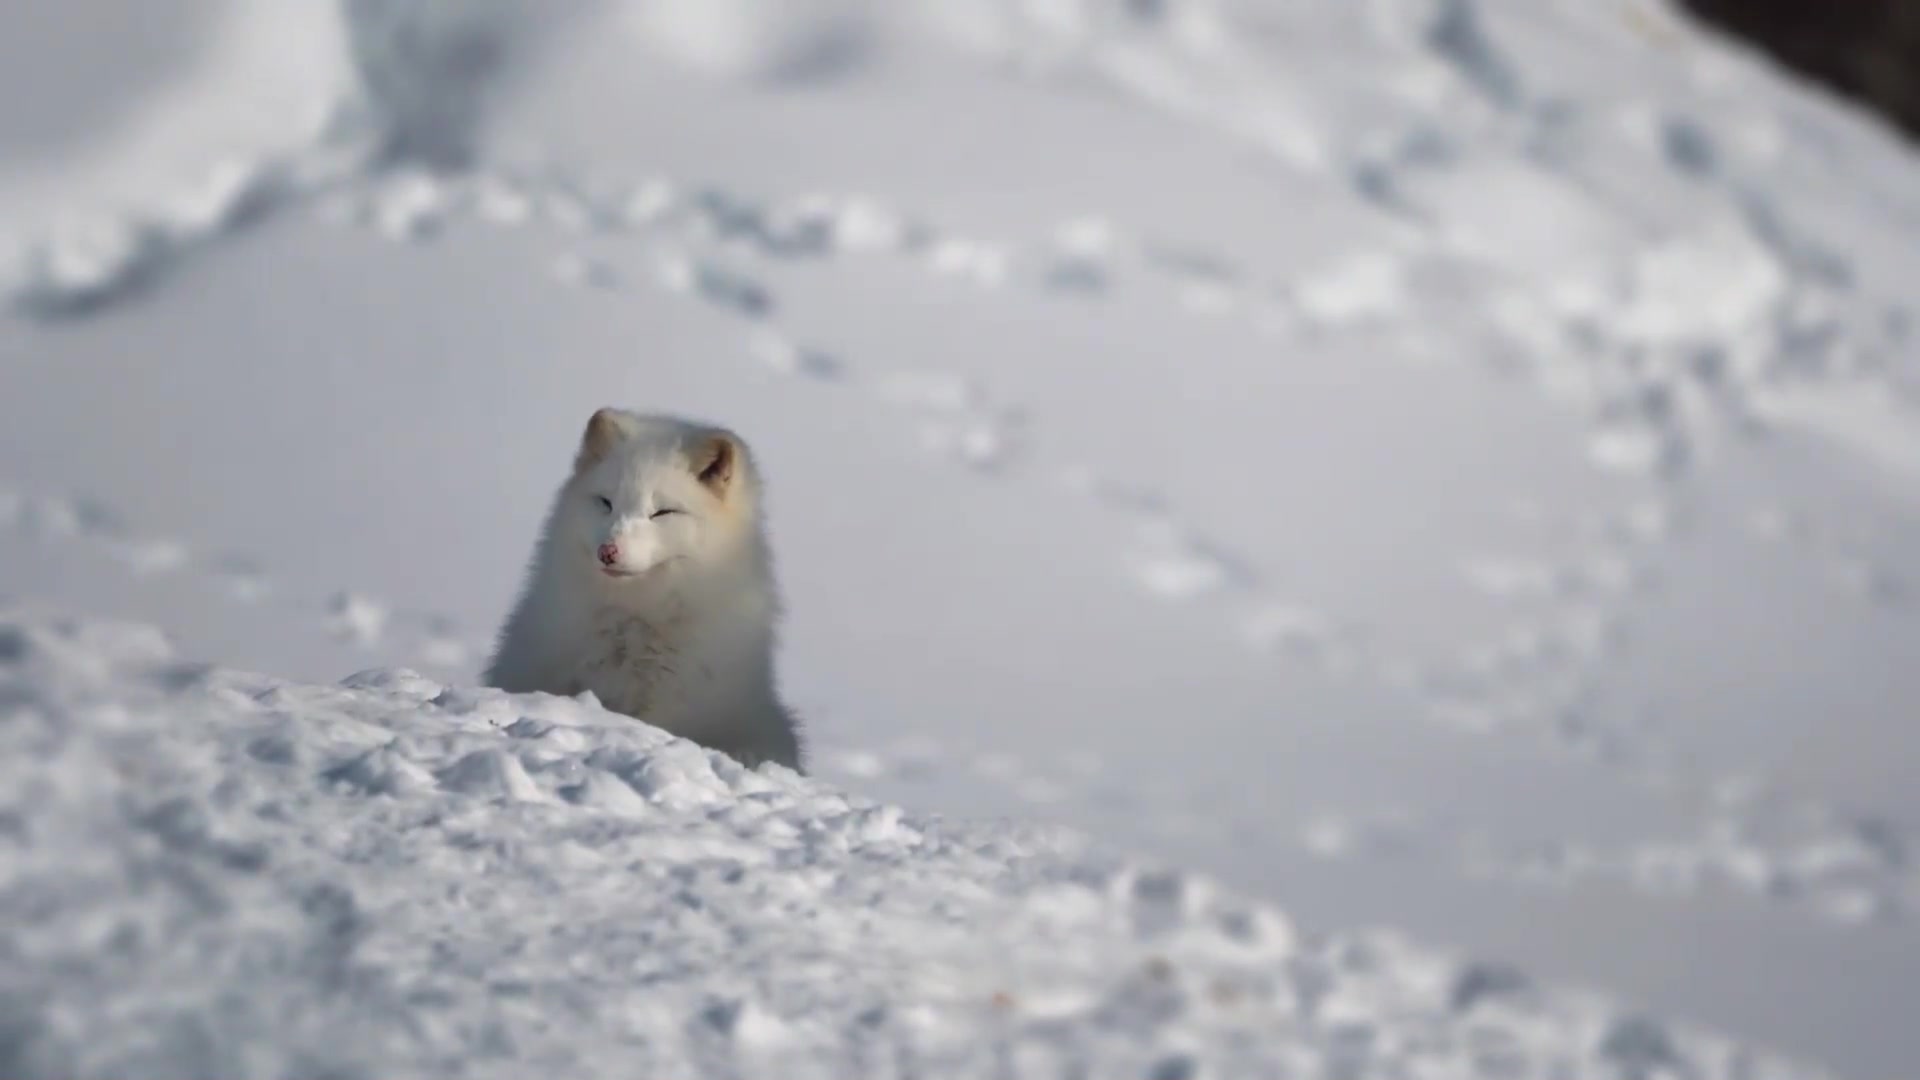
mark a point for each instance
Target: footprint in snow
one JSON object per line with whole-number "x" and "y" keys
{"x": 574, "y": 212}
{"x": 1082, "y": 257}
{"x": 1076, "y": 275}
{"x": 1638, "y": 447}
{"x": 797, "y": 230}
{"x": 649, "y": 202}
{"x": 1170, "y": 563}
{"x": 501, "y": 201}
{"x": 787, "y": 357}
{"x": 861, "y": 224}
{"x": 356, "y": 619}
{"x": 723, "y": 215}
{"x": 985, "y": 441}
{"x": 1844, "y": 871}
{"x": 1601, "y": 574}
{"x": 411, "y": 206}
{"x": 957, "y": 420}
{"x": 1203, "y": 283}
{"x": 717, "y": 285}
{"x": 1359, "y": 290}
{"x": 983, "y": 263}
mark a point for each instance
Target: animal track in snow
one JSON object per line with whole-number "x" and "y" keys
{"x": 1842, "y": 868}
{"x": 357, "y": 619}
{"x": 347, "y": 616}
{"x": 717, "y": 284}
{"x": 982, "y": 263}
{"x": 411, "y": 205}
{"x": 957, "y": 419}
{"x": 88, "y": 520}
{"x": 499, "y": 200}
{"x": 788, "y": 357}
{"x": 1169, "y": 562}
{"x": 1851, "y": 559}
{"x": 1082, "y": 257}
{"x": 1359, "y": 290}
{"x": 1601, "y": 574}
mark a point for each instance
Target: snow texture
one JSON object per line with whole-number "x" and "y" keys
{"x": 215, "y": 873}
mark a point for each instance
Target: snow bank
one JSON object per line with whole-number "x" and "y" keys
{"x": 373, "y": 83}
{"x": 213, "y": 873}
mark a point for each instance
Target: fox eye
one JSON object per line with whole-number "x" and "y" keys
{"x": 665, "y": 510}
{"x": 605, "y": 503}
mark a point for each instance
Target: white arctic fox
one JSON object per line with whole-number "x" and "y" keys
{"x": 652, "y": 586}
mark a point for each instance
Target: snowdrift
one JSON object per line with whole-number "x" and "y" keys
{"x": 215, "y": 873}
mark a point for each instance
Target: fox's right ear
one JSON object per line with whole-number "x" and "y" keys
{"x": 605, "y": 428}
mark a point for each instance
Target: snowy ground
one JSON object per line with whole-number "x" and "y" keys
{"x": 1443, "y": 465}
{"x": 213, "y": 873}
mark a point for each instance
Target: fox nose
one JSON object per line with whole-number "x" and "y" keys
{"x": 609, "y": 554}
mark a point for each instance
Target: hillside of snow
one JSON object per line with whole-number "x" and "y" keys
{"x": 1446, "y": 465}
{"x": 215, "y": 873}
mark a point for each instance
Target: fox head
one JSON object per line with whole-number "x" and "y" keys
{"x": 655, "y": 495}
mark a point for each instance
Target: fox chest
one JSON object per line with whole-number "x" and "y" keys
{"x": 641, "y": 665}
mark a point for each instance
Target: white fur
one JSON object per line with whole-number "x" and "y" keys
{"x": 685, "y": 639}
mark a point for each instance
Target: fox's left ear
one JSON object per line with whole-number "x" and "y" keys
{"x": 716, "y": 461}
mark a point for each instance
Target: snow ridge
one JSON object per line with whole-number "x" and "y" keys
{"x": 210, "y": 872}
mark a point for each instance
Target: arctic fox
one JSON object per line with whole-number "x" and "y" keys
{"x": 652, "y": 586}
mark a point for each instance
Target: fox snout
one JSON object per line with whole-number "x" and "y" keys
{"x": 609, "y": 554}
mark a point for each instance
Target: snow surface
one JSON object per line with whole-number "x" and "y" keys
{"x": 216, "y": 873}
{"x": 1451, "y": 465}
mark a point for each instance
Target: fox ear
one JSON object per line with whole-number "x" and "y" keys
{"x": 605, "y": 428}
{"x": 715, "y": 461}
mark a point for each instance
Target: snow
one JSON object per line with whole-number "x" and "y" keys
{"x": 217, "y": 873}
{"x": 1447, "y": 465}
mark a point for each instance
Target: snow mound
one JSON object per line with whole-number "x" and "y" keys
{"x": 392, "y": 83}
{"x": 214, "y": 873}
